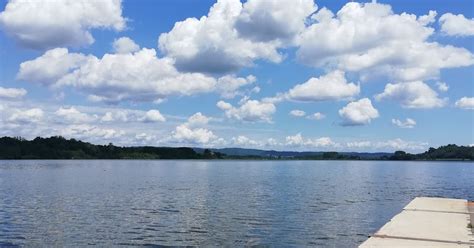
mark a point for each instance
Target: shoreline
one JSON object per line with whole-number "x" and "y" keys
{"x": 232, "y": 160}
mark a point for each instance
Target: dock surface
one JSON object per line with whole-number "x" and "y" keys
{"x": 428, "y": 222}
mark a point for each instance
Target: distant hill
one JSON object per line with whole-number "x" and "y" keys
{"x": 290, "y": 154}
{"x": 448, "y": 152}
{"x": 61, "y": 148}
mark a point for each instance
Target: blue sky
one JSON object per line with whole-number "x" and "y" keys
{"x": 268, "y": 74}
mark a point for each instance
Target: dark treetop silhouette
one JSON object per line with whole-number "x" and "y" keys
{"x": 60, "y": 148}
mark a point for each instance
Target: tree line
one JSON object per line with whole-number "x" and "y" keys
{"x": 57, "y": 147}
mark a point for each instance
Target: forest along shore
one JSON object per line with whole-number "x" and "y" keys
{"x": 57, "y": 147}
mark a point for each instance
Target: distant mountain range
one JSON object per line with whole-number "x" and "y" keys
{"x": 289, "y": 154}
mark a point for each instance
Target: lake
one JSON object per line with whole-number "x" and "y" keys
{"x": 213, "y": 203}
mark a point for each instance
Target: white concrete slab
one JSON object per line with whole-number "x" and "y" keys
{"x": 438, "y": 204}
{"x": 387, "y": 242}
{"x": 428, "y": 225}
{"x": 427, "y": 222}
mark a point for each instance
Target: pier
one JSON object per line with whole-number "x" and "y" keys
{"x": 428, "y": 222}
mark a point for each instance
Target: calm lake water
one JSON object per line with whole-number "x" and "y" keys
{"x": 213, "y": 203}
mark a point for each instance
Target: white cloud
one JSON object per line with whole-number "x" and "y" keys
{"x": 267, "y": 20}
{"x": 428, "y": 19}
{"x": 360, "y": 112}
{"x": 388, "y": 145}
{"x": 295, "y": 140}
{"x": 73, "y": 115}
{"x": 442, "y": 86}
{"x": 332, "y": 86}
{"x": 369, "y": 38}
{"x": 298, "y": 140}
{"x": 127, "y": 115}
{"x": 408, "y": 123}
{"x": 139, "y": 76}
{"x": 229, "y": 85}
{"x": 316, "y": 116}
{"x": 119, "y": 125}
{"x": 30, "y": 123}
{"x": 41, "y": 25}
{"x": 465, "y": 103}
{"x": 212, "y": 44}
{"x": 192, "y": 132}
{"x": 297, "y": 113}
{"x": 358, "y": 144}
{"x": 198, "y": 119}
{"x": 456, "y": 25}
{"x": 116, "y": 116}
{"x": 185, "y": 134}
{"x": 51, "y": 66}
{"x": 243, "y": 141}
{"x": 86, "y": 131}
{"x": 400, "y": 144}
{"x": 145, "y": 138}
{"x": 224, "y": 105}
{"x": 249, "y": 110}
{"x": 125, "y": 45}
{"x": 27, "y": 116}
{"x": 323, "y": 142}
{"x": 153, "y": 115}
{"x": 12, "y": 93}
{"x": 414, "y": 94}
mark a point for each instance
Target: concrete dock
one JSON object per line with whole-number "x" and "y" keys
{"x": 428, "y": 222}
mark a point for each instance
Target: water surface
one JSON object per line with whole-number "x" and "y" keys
{"x": 213, "y": 203}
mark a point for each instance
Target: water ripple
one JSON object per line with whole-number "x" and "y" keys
{"x": 202, "y": 203}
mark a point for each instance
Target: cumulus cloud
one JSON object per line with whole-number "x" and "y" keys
{"x": 360, "y": 112}
{"x": 153, "y": 115}
{"x": 125, "y": 45}
{"x": 41, "y": 25}
{"x": 198, "y": 119}
{"x": 456, "y": 25}
{"x": 211, "y": 44}
{"x": 299, "y": 140}
{"x": 190, "y": 132}
{"x": 396, "y": 46}
{"x": 267, "y": 20}
{"x": 297, "y": 113}
{"x": 194, "y": 132}
{"x": 249, "y": 110}
{"x": 442, "y": 86}
{"x": 116, "y": 116}
{"x": 12, "y": 93}
{"x": 27, "y": 116}
{"x": 332, "y": 86}
{"x": 414, "y": 94}
{"x": 32, "y": 122}
{"x": 86, "y": 131}
{"x": 244, "y": 141}
{"x": 400, "y": 144}
{"x": 51, "y": 66}
{"x": 229, "y": 85}
{"x": 465, "y": 103}
{"x": 138, "y": 76}
{"x": 72, "y": 115}
{"x": 99, "y": 125}
{"x": 316, "y": 116}
{"x": 408, "y": 123}
{"x": 388, "y": 145}
{"x": 185, "y": 134}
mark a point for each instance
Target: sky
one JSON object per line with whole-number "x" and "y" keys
{"x": 297, "y": 75}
